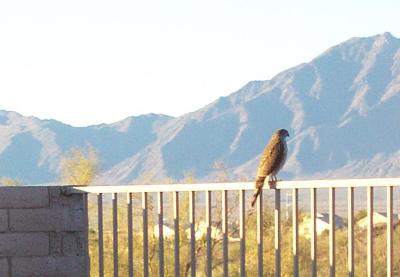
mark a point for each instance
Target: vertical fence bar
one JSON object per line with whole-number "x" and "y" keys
{"x": 85, "y": 199}
{"x": 277, "y": 232}
{"x": 130, "y": 233}
{"x": 192, "y": 199}
{"x": 313, "y": 205}
{"x": 295, "y": 224}
{"x": 224, "y": 218}
{"x": 389, "y": 230}
{"x": 176, "y": 231}
{"x": 242, "y": 204}
{"x": 350, "y": 216}
{"x": 332, "y": 226}
{"x": 260, "y": 234}
{"x": 370, "y": 230}
{"x": 208, "y": 236}
{"x": 100, "y": 234}
{"x": 160, "y": 234}
{"x": 115, "y": 232}
{"x": 145, "y": 235}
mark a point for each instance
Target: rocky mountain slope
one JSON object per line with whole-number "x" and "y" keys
{"x": 342, "y": 110}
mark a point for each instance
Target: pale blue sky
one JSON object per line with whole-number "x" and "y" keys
{"x": 88, "y": 62}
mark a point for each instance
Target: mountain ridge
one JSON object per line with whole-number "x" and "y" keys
{"x": 335, "y": 107}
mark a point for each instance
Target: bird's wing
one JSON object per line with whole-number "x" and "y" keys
{"x": 271, "y": 158}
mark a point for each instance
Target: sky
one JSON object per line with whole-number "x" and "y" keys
{"x": 86, "y": 62}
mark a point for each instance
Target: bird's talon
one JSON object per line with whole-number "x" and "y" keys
{"x": 272, "y": 184}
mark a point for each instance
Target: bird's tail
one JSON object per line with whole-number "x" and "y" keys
{"x": 259, "y": 185}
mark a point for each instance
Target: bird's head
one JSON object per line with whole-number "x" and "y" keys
{"x": 282, "y": 133}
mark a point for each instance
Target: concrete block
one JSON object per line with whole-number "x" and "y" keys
{"x": 74, "y": 244}
{"x": 33, "y": 267}
{"x": 74, "y": 266}
{"x": 24, "y": 244}
{"x": 56, "y": 243}
{"x": 4, "y": 270}
{"x": 49, "y": 267}
{"x": 47, "y": 220}
{"x": 59, "y": 199}
{"x": 3, "y": 221}
{"x": 23, "y": 197}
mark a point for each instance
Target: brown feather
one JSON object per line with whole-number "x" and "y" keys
{"x": 259, "y": 185}
{"x": 271, "y": 161}
{"x": 271, "y": 157}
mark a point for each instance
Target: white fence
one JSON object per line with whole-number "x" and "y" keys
{"x": 241, "y": 188}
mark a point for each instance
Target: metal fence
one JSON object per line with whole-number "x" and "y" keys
{"x": 241, "y": 188}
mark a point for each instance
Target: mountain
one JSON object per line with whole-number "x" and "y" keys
{"x": 342, "y": 110}
{"x": 31, "y": 149}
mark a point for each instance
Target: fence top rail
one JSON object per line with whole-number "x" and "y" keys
{"x": 299, "y": 184}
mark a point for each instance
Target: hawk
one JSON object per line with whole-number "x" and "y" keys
{"x": 271, "y": 161}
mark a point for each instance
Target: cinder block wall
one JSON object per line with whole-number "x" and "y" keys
{"x": 43, "y": 232}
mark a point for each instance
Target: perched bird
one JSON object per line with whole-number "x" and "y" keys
{"x": 272, "y": 160}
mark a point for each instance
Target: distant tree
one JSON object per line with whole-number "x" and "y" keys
{"x": 10, "y": 182}
{"x": 188, "y": 177}
{"x": 360, "y": 215}
{"x": 221, "y": 172}
{"x": 79, "y": 166}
